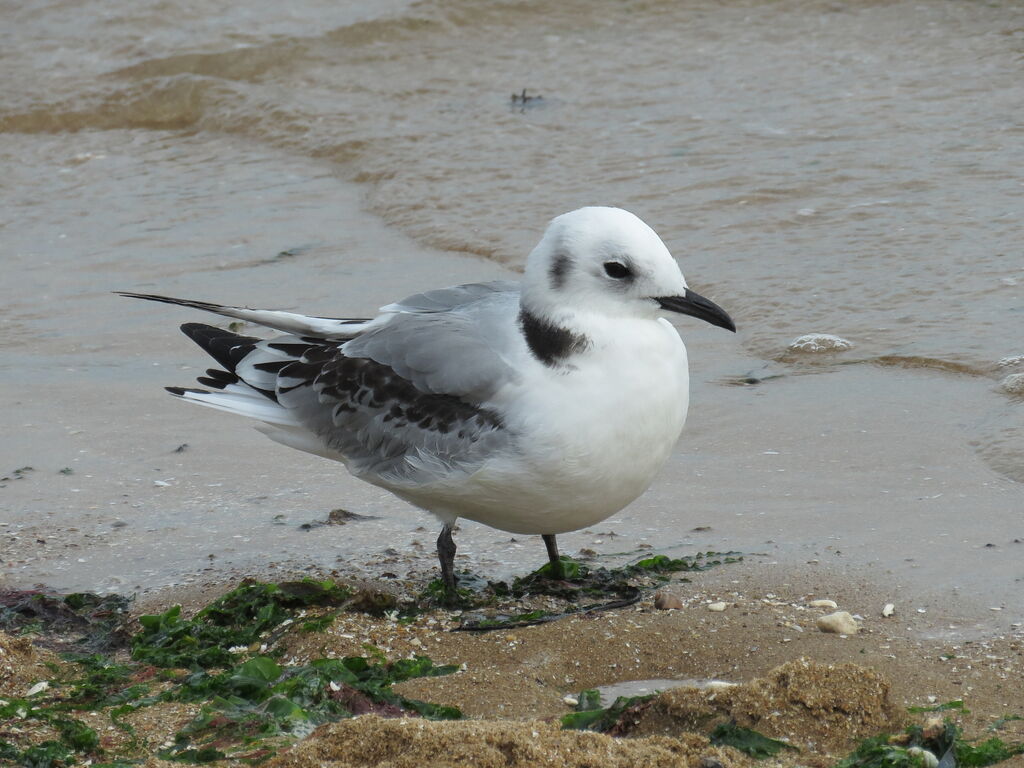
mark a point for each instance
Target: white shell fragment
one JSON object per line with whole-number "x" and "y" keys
{"x": 819, "y": 342}
{"x": 717, "y": 606}
{"x": 839, "y": 623}
{"x": 824, "y": 603}
{"x": 888, "y": 610}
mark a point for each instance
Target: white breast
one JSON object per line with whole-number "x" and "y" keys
{"x": 592, "y": 436}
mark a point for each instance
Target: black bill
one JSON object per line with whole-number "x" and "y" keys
{"x": 695, "y": 305}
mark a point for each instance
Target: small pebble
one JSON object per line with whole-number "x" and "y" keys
{"x": 840, "y": 623}
{"x": 819, "y": 342}
{"x": 888, "y": 610}
{"x": 718, "y": 607}
{"x": 572, "y": 701}
{"x": 665, "y": 601}
{"x": 831, "y": 604}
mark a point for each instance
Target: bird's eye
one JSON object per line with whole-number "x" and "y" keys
{"x": 617, "y": 270}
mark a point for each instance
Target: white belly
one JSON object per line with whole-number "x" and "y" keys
{"x": 593, "y": 438}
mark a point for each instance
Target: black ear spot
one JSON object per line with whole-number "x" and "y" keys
{"x": 617, "y": 270}
{"x": 559, "y": 270}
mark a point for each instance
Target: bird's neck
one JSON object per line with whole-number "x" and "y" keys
{"x": 551, "y": 339}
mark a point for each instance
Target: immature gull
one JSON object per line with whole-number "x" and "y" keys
{"x": 535, "y": 408}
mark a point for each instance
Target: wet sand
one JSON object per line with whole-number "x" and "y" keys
{"x": 854, "y": 470}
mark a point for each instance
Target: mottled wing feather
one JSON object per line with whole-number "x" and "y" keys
{"x": 384, "y": 426}
{"x": 403, "y": 399}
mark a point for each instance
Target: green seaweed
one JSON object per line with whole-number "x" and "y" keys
{"x": 590, "y": 716}
{"x": 989, "y": 752}
{"x": 957, "y": 705}
{"x": 239, "y": 618}
{"x": 259, "y": 699}
{"x": 748, "y": 741}
{"x": 580, "y": 583}
{"x": 247, "y": 702}
{"x": 75, "y": 737}
{"x": 947, "y": 744}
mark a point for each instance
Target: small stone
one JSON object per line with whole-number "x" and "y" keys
{"x": 840, "y": 623}
{"x": 710, "y": 762}
{"x": 717, "y": 607}
{"x": 830, "y": 604}
{"x": 819, "y": 342}
{"x": 888, "y": 610}
{"x": 665, "y": 601}
{"x": 572, "y": 701}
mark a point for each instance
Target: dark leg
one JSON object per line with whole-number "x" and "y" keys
{"x": 553, "y": 558}
{"x": 446, "y": 555}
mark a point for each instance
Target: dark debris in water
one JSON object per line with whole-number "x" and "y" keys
{"x": 336, "y": 517}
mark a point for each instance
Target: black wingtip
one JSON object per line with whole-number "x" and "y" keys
{"x": 180, "y": 391}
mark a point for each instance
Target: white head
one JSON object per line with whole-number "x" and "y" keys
{"x": 607, "y": 261}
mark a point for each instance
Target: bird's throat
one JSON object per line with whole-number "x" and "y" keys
{"x": 550, "y": 343}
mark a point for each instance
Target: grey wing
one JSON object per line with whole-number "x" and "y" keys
{"x": 409, "y": 400}
{"x": 447, "y": 299}
{"x": 461, "y": 341}
{"x": 405, "y": 399}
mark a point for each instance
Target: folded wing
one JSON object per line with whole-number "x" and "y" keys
{"x": 404, "y": 399}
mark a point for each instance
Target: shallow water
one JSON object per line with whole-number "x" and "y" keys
{"x": 818, "y": 167}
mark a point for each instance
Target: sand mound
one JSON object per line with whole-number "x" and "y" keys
{"x": 816, "y": 706}
{"x": 821, "y": 708}
{"x": 372, "y": 741}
